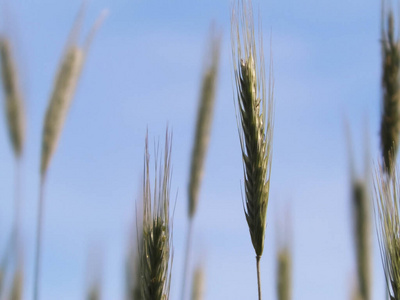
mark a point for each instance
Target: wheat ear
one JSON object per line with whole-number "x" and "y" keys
{"x": 202, "y": 135}
{"x": 387, "y": 191}
{"x": 284, "y": 275}
{"x": 390, "y": 121}
{"x": 255, "y": 130}
{"x": 15, "y": 113}
{"x": 64, "y": 87}
{"x": 156, "y": 251}
{"x": 198, "y": 283}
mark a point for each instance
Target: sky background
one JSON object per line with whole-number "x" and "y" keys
{"x": 143, "y": 72}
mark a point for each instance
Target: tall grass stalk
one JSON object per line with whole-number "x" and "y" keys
{"x": 390, "y": 121}
{"x": 387, "y": 191}
{"x": 202, "y": 136}
{"x": 156, "y": 251}
{"x": 255, "y": 123}
{"x": 15, "y": 116}
{"x": 64, "y": 86}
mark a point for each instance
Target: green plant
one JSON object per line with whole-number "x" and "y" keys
{"x": 201, "y": 140}
{"x": 390, "y": 121}
{"x": 156, "y": 247}
{"x": 255, "y": 128}
{"x": 64, "y": 87}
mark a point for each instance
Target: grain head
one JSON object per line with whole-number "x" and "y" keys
{"x": 14, "y": 105}
{"x": 390, "y": 120}
{"x": 204, "y": 120}
{"x": 255, "y": 120}
{"x": 156, "y": 250}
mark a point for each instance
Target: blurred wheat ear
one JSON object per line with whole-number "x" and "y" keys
{"x": 204, "y": 119}
{"x": 361, "y": 212}
{"x": 388, "y": 223}
{"x": 362, "y": 236}
{"x": 198, "y": 283}
{"x": 17, "y": 285}
{"x": 15, "y": 112}
{"x": 255, "y": 122}
{"x": 64, "y": 86}
{"x": 156, "y": 250}
{"x": 284, "y": 275}
{"x": 202, "y": 136}
{"x": 390, "y": 121}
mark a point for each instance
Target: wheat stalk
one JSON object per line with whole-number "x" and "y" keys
{"x": 64, "y": 87}
{"x": 255, "y": 131}
{"x": 390, "y": 121}
{"x": 156, "y": 250}
{"x": 387, "y": 191}
{"x": 202, "y": 135}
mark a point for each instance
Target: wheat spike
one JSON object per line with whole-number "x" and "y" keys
{"x": 204, "y": 121}
{"x": 390, "y": 121}
{"x": 284, "y": 274}
{"x": 198, "y": 283}
{"x": 362, "y": 236}
{"x": 15, "y": 113}
{"x": 156, "y": 251}
{"x": 387, "y": 191}
{"x": 255, "y": 128}
{"x": 64, "y": 88}
{"x": 17, "y": 285}
{"x": 255, "y": 131}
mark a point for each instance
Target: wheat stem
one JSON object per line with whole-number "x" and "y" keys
{"x": 187, "y": 258}
{"x": 39, "y": 227}
{"x": 258, "y": 276}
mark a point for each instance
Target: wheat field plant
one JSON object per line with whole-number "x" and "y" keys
{"x": 390, "y": 120}
{"x": 255, "y": 122}
{"x": 156, "y": 250}
{"x": 201, "y": 138}
{"x": 64, "y": 86}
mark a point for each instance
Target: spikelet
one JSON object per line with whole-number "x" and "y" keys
{"x": 64, "y": 88}
{"x": 156, "y": 251}
{"x": 255, "y": 130}
{"x": 198, "y": 283}
{"x": 388, "y": 225}
{"x": 390, "y": 122}
{"x": 204, "y": 121}
{"x": 15, "y": 113}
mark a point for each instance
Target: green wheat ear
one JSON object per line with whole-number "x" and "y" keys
{"x": 255, "y": 128}
{"x": 156, "y": 250}
{"x": 390, "y": 122}
{"x": 387, "y": 191}
{"x": 255, "y": 123}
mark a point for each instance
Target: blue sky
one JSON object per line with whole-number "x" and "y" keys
{"x": 144, "y": 71}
